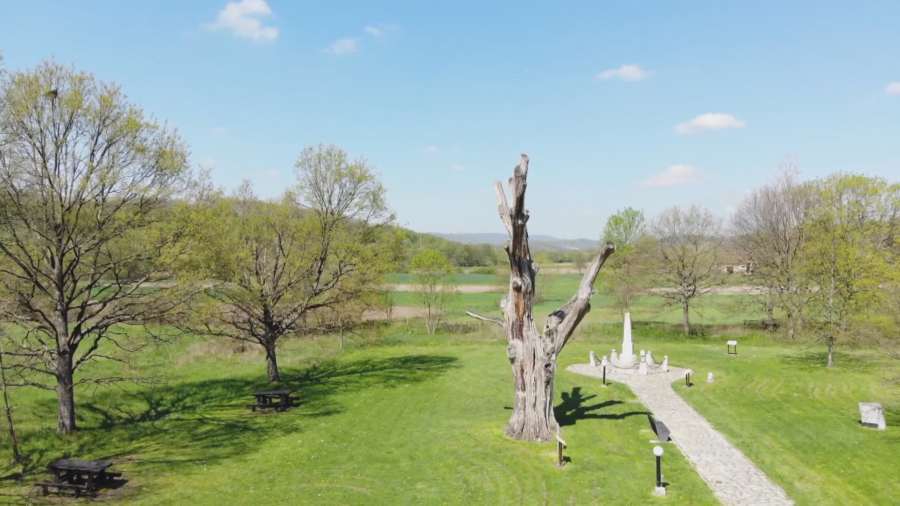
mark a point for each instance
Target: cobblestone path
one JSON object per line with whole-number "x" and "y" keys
{"x": 730, "y": 474}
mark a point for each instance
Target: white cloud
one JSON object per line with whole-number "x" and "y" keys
{"x": 341, "y": 46}
{"x": 709, "y": 121}
{"x": 893, "y": 88}
{"x": 590, "y": 213}
{"x": 626, "y": 73}
{"x": 208, "y": 163}
{"x": 242, "y": 18}
{"x": 371, "y": 30}
{"x": 219, "y": 130}
{"x": 457, "y": 168}
{"x": 675, "y": 175}
{"x": 431, "y": 150}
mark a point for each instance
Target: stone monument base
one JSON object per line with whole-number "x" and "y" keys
{"x": 660, "y": 491}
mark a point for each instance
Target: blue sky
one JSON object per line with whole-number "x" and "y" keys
{"x": 618, "y": 104}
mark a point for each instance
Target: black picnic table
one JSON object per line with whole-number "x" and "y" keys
{"x": 79, "y": 475}
{"x": 276, "y": 399}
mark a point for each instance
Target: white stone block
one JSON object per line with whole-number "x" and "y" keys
{"x": 665, "y": 363}
{"x": 871, "y": 414}
{"x": 709, "y": 378}
{"x": 593, "y": 359}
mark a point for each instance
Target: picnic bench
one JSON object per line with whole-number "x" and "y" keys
{"x": 82, "y": 476}
{"x": 770, "y": 325}
{"x": 279, "y": 400}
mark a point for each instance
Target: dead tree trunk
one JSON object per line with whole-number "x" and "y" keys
{"x": 532, "y": 354}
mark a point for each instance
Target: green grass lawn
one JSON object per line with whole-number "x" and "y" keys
{"x": 713, "y": 309}
{"x": 414, "y": 423}
{"x": 799, "y": 421}
{"x": 405, "y": 418}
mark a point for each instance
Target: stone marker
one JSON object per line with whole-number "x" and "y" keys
{"x": 709, "y": 378}
{"x": 613, "y": 356}
{"x": 593, "y": 359}
{"x": 871, "y": 414}
{"x": 649, "y": 358}
{"x": 643, "y": 369}
{"x": 665, "y": 363}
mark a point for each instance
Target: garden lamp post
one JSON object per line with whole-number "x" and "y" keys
{"x": 658, "y": 451}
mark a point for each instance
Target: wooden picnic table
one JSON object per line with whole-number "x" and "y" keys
{"x": 276, "y": 399}
{"x": 78, "y": 475}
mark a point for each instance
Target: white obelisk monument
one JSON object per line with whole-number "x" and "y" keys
{"x": 627, "y": 356}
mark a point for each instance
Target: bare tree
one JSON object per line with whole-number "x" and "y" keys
{"x": 771, "y": 227}
{"x": 533, "y": 355}
{"x": 688, "y": 244}
{"x": 88, "y": 221}
{"x": 319, "y": 249}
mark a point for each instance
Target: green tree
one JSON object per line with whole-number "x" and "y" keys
{"x": 433, "y": 274}
{"x": 323, "y": 248}
{"x": 89, "y": 188}
{"x": 623, "y": 279}
{"x": 847, "y": 254}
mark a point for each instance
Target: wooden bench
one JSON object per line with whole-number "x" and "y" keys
{"x": 77, "y": 487}
{"x": 278, "y": 400}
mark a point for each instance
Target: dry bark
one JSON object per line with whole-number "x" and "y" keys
{"x": 533, "y": 355}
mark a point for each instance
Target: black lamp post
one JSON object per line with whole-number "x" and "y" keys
{"x": 658, "y": 451}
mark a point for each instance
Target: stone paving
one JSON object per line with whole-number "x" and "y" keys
{"x": 730, "y": 474}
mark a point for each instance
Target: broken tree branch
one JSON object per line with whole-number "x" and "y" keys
{"x": 473, "y": 314}
{"x": 562, "y": 322}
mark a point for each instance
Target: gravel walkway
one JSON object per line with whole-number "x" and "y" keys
{"x": 730, "y": 474}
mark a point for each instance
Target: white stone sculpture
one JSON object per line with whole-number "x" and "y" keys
{"x": 593, "y": 359}
{"x": 627, "y": 358}
{"x": 871, "y": 414}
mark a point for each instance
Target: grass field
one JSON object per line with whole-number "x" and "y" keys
{"x": 414, "y": 423}
{"x": 405, "y": 418}
{"x": 555, "y": 289}
{"x": 798, "y": 421}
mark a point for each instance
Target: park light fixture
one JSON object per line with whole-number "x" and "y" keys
{"x": 658, "y": 451}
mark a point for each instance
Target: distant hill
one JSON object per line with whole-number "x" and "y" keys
{"x": 537, "y": 242}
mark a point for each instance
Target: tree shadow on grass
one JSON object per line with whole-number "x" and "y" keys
{"x": 199, "y": 422}
{"x": 818, "y": 360}
{"x": 573, "y": 408}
